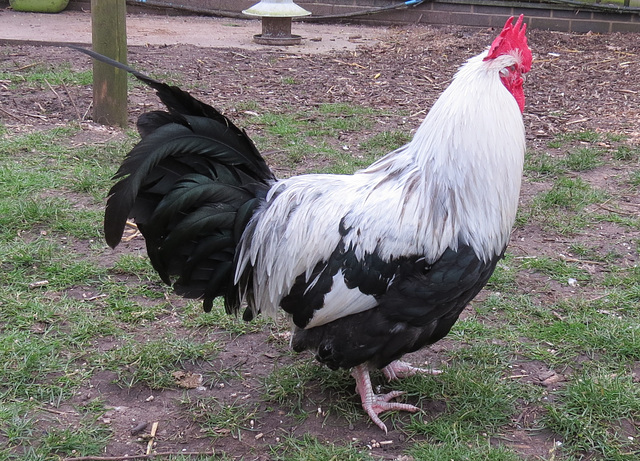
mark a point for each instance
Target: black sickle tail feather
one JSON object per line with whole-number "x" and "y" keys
{"x": 192, "y": 184}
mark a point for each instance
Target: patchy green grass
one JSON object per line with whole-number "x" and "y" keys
{"x": 221, "y": 419}
{"x": 152, "y": 362}
{"x": 562, "y": 208}
{"x": 41, "y": 74}
{"x": 480, "y": 452}
{"x": 310, "y": 135}
{"x": 309, "y": 448}
{"x": 288, "y": 386}
{"x": 595, "y": 412}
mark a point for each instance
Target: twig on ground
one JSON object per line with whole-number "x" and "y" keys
{"x": 581, "y": 261}
{"x": 41, "y": 117}
{"x": 154, "y": 429}
{"x": 612, "y": 210}
{"x": 132, "y": 233}
{"x": 580, "y": 120}
{"x": 4, "y": 111}
{"x": 149, "y": 456}
{"x": 54, "y": 92}
{"x": 87, "y": 111}
{"x": 73, "y": 103}
{"x": 26, "y": 67}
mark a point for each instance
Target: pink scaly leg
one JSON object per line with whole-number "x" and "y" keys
{"x": 399, "y": 369}
{"x": 374, "y": 404}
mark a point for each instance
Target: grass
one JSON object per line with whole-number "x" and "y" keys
{"x": 567, "y": 205}
{"x": 592, "y": 413}
{"x": 86, "y": 438}
{"x": 290, "y": 387}
{"x": 40, "y": 74}
{"x": 309, "y": 135}
{"x": 219, "y": 419}
{"x": 152, "y": 362}
{"x": 72, "y": 312}
{"x": 484, "y": 452}
{"x": 557, "y": 269}
{"x": 478, "y": 399}
{"x": 309, "y": 448}
{"x": 563, "y": 208}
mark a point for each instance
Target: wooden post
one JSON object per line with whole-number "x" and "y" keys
{"x": 109, "y": 36}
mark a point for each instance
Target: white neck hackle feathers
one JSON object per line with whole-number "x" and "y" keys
{"x": 458, "y": 180}
{"x": 467, "y": 157}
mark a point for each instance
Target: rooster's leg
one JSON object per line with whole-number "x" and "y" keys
{"x": 399, "y": 369}
{"x": 374, "y": 404}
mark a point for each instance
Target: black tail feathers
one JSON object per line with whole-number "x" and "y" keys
{"x": 192, "y": 184}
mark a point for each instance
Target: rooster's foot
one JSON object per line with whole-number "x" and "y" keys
{"x": 399, "y": 369}
{"x": 373, "y": 403}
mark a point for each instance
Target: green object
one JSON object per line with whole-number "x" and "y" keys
{"x": 39, "y": 6}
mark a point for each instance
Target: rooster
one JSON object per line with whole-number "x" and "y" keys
{"x": 368, "y": 266}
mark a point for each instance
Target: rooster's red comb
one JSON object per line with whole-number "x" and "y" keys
{"x": 511, "y": 38}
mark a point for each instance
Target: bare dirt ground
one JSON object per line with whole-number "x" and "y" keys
{"x": 578, "y": 82}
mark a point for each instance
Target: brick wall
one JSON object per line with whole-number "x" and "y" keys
{"x": 476, "y": 13}
{"x": 483, "y": 13}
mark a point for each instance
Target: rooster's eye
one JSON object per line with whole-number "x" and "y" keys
{"x": 507, "y": 70}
